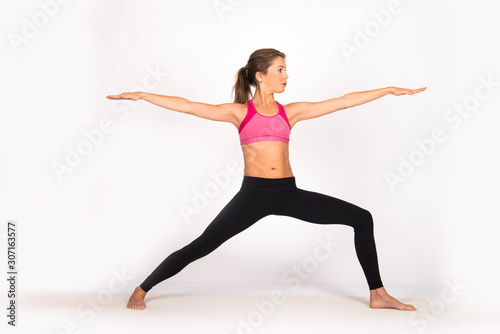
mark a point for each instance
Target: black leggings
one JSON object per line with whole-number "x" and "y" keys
{"x": 260, "y": 197}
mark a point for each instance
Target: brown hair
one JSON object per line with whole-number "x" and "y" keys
{"x": 259, "y": 61}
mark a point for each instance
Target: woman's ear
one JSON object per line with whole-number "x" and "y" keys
{"x": 259, "y": 76}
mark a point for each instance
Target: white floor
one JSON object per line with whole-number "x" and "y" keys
{"x": 243, "y": 313}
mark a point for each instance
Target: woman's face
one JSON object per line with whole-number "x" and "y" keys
{"x": 276, "y": 77}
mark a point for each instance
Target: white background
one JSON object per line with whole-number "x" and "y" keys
{"x": 120, "y": 207}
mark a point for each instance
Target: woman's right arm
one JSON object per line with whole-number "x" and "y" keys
{"x": 223, "y": 112}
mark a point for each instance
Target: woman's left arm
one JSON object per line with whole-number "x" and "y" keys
{"x": 300, "y": 111}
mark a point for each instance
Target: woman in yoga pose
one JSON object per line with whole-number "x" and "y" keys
{"x": 268, "y": 186}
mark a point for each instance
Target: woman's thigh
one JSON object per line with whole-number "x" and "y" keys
{"x": 321, "y": 209}
{"x": 242, "y": 211}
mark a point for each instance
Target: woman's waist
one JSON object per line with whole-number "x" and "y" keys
{"x": 268, "y": 171}
{"x": 267, "y": 160}
{"x": 268, "y": 184}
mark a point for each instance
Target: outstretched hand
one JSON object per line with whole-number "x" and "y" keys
{"x": 125, "y": 96}
{"x": 403, "y": 91}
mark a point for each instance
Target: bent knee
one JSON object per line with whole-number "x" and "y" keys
{"x": 364, "y": 220}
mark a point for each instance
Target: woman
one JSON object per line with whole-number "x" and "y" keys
{"x": 268, "y": 183}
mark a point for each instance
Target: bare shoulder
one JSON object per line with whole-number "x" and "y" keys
{"x": 239, "y": 110}
{"x": 293, "y": 107}
{"x": 293, "y": 110}
{"x": 299, "y": 111}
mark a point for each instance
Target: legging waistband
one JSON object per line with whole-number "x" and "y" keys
{"x": 265, "y": 184}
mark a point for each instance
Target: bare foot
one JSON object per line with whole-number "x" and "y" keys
{"x": 379, "y": 298}
{"x": 136, "y": 301}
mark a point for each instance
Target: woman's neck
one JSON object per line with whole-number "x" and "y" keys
{"x": 263, "y": 99}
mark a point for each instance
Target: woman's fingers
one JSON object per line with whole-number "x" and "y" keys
{"x": 419, "y": 90}
{"x": 124, "y": 96}
{"x": 114, "y": 97}
{"x": 402, "y": 91}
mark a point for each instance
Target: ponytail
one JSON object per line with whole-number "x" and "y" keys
{"x": 259, "y": 61}
{"x": 241, "y": 88}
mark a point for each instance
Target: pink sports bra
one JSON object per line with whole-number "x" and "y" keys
{"x": 256, "y": 127}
